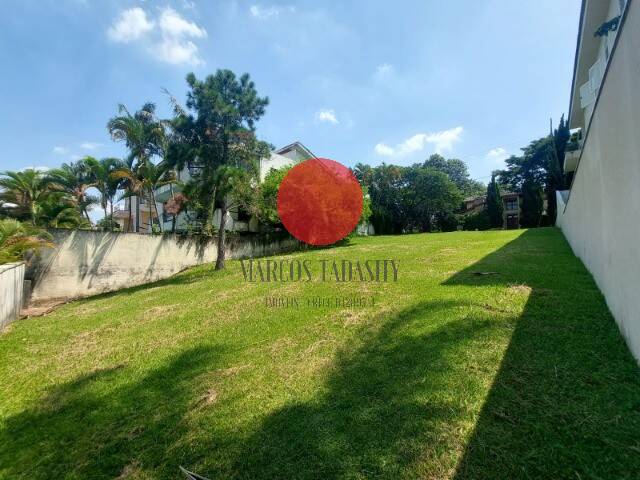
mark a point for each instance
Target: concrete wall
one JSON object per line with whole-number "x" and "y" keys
{"x": 11, "y": 292}
{"x": 601, "y": 219}
{"x": 87, "y": 263}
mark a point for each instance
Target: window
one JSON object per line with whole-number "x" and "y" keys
{"x": 511, "y": 204}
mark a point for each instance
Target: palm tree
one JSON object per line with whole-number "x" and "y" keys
{"x": 16, "y": 239}
{"x": 27, "y": 189}
{"x": 75, "y": 179}
{"x": 59, "y": 211}
{"x": 144, "y": 180}
{"x": 105, "y": 183}
{"x": 144, "y": 135}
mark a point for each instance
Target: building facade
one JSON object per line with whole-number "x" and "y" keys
{"x": 600, "y": 213}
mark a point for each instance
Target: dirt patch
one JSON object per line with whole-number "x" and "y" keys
{"x": 37, "y": 309}
{"x": 210, "y": 397}
{"x": 520, "y": 289}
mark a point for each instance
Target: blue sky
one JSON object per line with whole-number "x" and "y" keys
{"x": 354, "y": 81}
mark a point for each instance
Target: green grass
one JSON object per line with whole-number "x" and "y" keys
{"x": 517, "y": 374}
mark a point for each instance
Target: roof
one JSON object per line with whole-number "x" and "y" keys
{"x": 295, "y": 145}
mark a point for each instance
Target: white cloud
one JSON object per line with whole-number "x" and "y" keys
{"x": 175, "y": 48}
{"x": 172, "y": 38}
{"x": 328, "y": 116}
{"x": 90, "y": 145}
{"x": 272, "y": 11}
{"x": 441, "y": 141}
{"x": 130, "y": 25}
{"x": 496, "y": 156}
{"x": 172, "y": 24}
{"x": 384, "y": 69}
{"x": 60, "y": 150}
{"x": 384, "y": 150}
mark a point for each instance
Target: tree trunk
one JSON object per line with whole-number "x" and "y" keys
{"x": 155, "y": 206}
{"x": 104, "y": 209}
{"x": 111, "y": 211}
{"x": 221, "y": 235}
{"x": 173, "y": 219}
{"x": 150, "y": 213}
{"x": 137, "y": 214}
{"x": 130, "y": 226}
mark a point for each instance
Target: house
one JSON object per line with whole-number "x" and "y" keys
{"x": 511, "y": 203}
{"x": 143, "y": 214}
{"x": 600, "y": 213}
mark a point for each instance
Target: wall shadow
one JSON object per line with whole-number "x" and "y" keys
{"x": 566, "y": 400}
{"x": 86, "y": 429}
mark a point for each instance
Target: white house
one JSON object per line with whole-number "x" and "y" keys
{"x": 600, "y": 214}
{"x": 236, "y": 220}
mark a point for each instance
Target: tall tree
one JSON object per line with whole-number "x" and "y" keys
{"x": 102, "y": 176}
{"x": 532, "y": 203}
{"x": 217, "y": 134}
{"x": 495, "y": 209}
{"x": 145, "y": 137}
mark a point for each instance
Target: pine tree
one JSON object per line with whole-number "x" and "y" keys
{"x": 495, "y": 209}
{"x": 532, "y": 203}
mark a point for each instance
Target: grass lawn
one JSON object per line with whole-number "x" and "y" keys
{"x": 520, "y": 373}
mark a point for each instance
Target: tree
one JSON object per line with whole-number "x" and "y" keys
{"x": 265, "y": 208}
{"x": 17, "y": 239}
{"x": 495, "y": 209}
{"x": 74, "y": 180}
{"x": 430, "y": 196}
{"x": 145, "y": 137}
{"x": 27, "y": 189}
{"x": 458, "y": 173}
{"x": 217, "y": 138}
{"x": 532, "y": 203}
{"x": 102, "y": 176}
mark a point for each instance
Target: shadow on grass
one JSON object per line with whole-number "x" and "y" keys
{"x": 87, "y": 428}
{"x": 566, "y": 400}
{"x": 383, "y": 403}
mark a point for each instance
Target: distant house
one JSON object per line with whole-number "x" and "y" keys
{"x": 143, "y": 218}
{"x": 511, "y": 203}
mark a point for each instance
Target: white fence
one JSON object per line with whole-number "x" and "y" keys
{"x": 11, "y": 292}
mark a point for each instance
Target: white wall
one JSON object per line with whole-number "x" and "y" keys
{"x": 87, "y": 263}
{"x": 601, "y": 220}
{"x": 11, "y": 292}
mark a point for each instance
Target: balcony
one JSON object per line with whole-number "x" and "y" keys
{"x": 572, "y": 151}
{"x": 163, "y": 193}
{"x": 589, "y": 90}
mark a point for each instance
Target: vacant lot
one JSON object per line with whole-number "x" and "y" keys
{"x": 492, "y": 356}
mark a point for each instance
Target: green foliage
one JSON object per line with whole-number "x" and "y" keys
{"x": 19, "y": 239}
{"x": 417, "y": 198}
{"x": 495, "y": 208}
{"x": 477, "y": 221}
{"x": 532, "y": 204}
{"x": 458, "y": 173}
{"x": 266, "y": 206}
{"x": 28, "y": 190}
